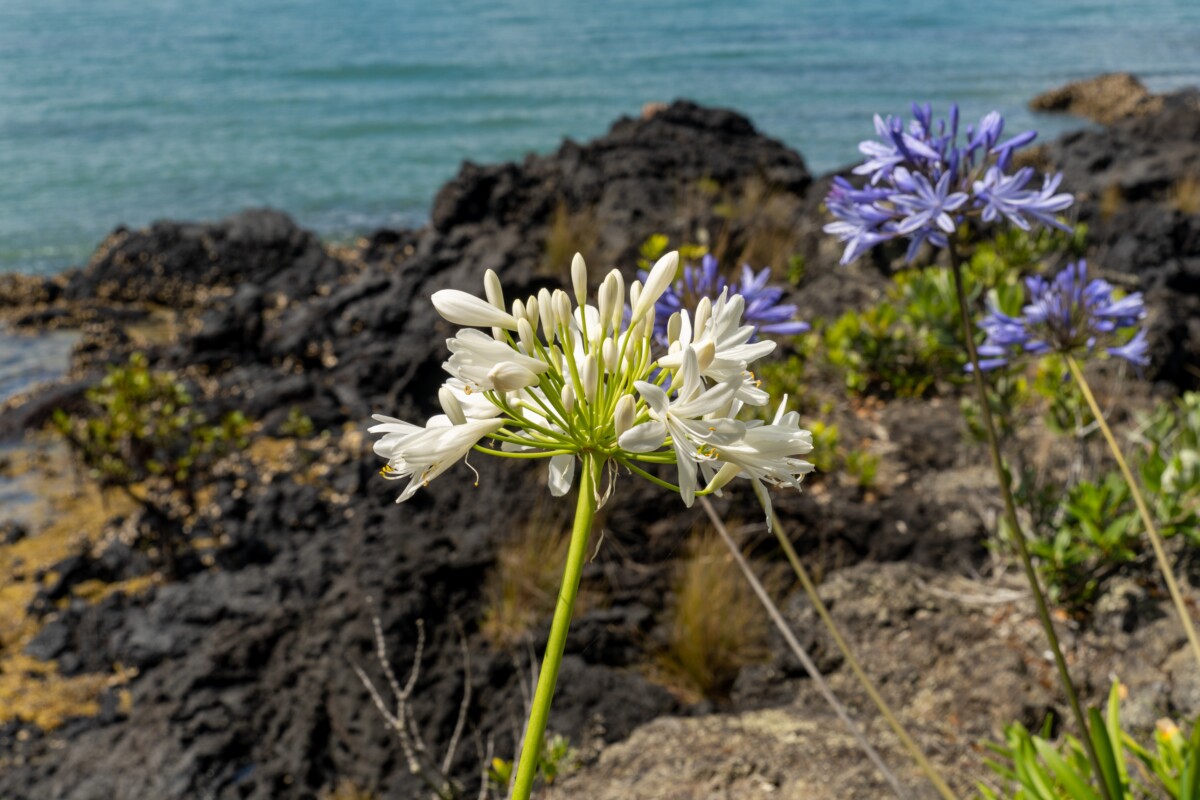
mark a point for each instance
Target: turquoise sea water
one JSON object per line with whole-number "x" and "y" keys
{"x": 350, "y": 115}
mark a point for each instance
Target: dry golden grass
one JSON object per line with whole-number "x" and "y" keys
{"x": 765, "y": 222}
{"x": 716, "y": 625}
{"x": 522, "y": 589}
{"x": 570, "y": 232}
{"x": 1111, "y": 200}
{"x": 348, "y": 790}
{"x": 1185, "y": 195}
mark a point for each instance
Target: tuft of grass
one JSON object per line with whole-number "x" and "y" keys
{"x": 523, "y": 587}
{"x": 759, "y": 226}
{"x": 1111, "y": 201}
{"x": 347, "y": 789}
{"x": 570, "y": 232}
{"x": 716, "y": 626}
{"x": 1184, "y": 195}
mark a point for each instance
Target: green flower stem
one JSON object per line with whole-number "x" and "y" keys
{"x": 539, "y": 713}
{"x": 798, "y": 650}
{"x": 1148, "y": 520}
{"x": 1018, "y": 535}
{"x": 810, "y": 589}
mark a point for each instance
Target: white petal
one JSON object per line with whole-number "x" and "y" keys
{"x": 644, "y": 438}
{"x": 508, "y": 377}
{"x": 467, "y": 309}
{"x": 562, "y": 472}
{"x": 660, "y": 277}
{"x": 654, "y": 396}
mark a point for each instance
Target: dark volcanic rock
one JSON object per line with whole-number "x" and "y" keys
{"x": 175, "y": 263}
{"x": 1139, "y": 188}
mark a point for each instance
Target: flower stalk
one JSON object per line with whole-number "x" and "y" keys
{"x": 539, "y": 714}
{"x": 1014, "y": 525}
{"x": 1156, "y": 542}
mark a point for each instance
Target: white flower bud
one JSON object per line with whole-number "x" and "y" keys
{"x": 467, "y": 309}
{"x": 705, "y": 353}
{"x": 604, "y": 303}
{"x": 508, "y": 377}
{"x": 493, "y": 290}
{"x": 660, "y": 277}
{"x": 703, "y": 313}
{"x": 562, "y": 307}
{"x": 618, "y": 310}
{"x": 674, "y": 327}
{"x": 531, "y": 310}
{"x": 724, "y": 475}
{"x": 528, "y": 337}
{"x": 546, "y": 313}
{"x": 568, "y": 397}
{"x": 518, "y": 310}
{"x": 579, "y": 279}
{"x": 608, "y": 354}
{"x": 623, "y": 414}
{"x": 556, "y": 359}
{"x": 589, "y": 376}
{"x": 635, "y": 294}
{"x": 450, "y": 405}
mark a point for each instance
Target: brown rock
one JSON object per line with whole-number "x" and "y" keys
{"x": 1105, "y": 98}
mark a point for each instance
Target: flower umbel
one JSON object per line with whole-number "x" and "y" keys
{"x": 560, "y": 378}
{"x": 923, "y": 183}
{"x": 1068, "y": 315}
{"x": 763, "y": 309}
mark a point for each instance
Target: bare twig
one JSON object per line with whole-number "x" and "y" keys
{"x": 403, "y": 722}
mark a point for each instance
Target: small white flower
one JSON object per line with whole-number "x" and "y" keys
{"x": 684, "y": 420}
{"x": 720, "y": 328}
{"x": 765, "y": 455}
{"x": 425, "y": 453}
{"x": 484, "y": 363}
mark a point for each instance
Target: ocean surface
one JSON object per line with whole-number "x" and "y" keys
{"x": 351, "y": 115}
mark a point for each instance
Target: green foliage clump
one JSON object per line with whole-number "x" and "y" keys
{"x": 911, "y": 341}
{"x": 142, "y": 433}
{"x": 1097, "y": 533}
{"x": 1033, "y": 768}
{"x": 1085, "y": 533}
{"x": 655, "y": 247}
{"x": 557, "y": 758}
{"x": 298, "y": 425}
{"x": 1170, "y": 467}
{"x": 863, "y": 467}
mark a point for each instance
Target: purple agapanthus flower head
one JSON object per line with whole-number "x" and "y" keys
{"x": 1068, "y": 314}
{"x": 921, "y": 183}
{"x": 763, "y": 307}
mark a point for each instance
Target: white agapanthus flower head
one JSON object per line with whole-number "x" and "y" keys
{"x": 556, "y": 376}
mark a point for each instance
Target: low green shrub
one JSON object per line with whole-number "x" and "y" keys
{"x": 1031, "y": 767}
{"x": 141, "y": 432}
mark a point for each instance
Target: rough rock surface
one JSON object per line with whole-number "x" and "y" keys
{"x": 245, "y": 686}
{"x": 956, "y": 659}
{"x": 1106, "y": 99}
